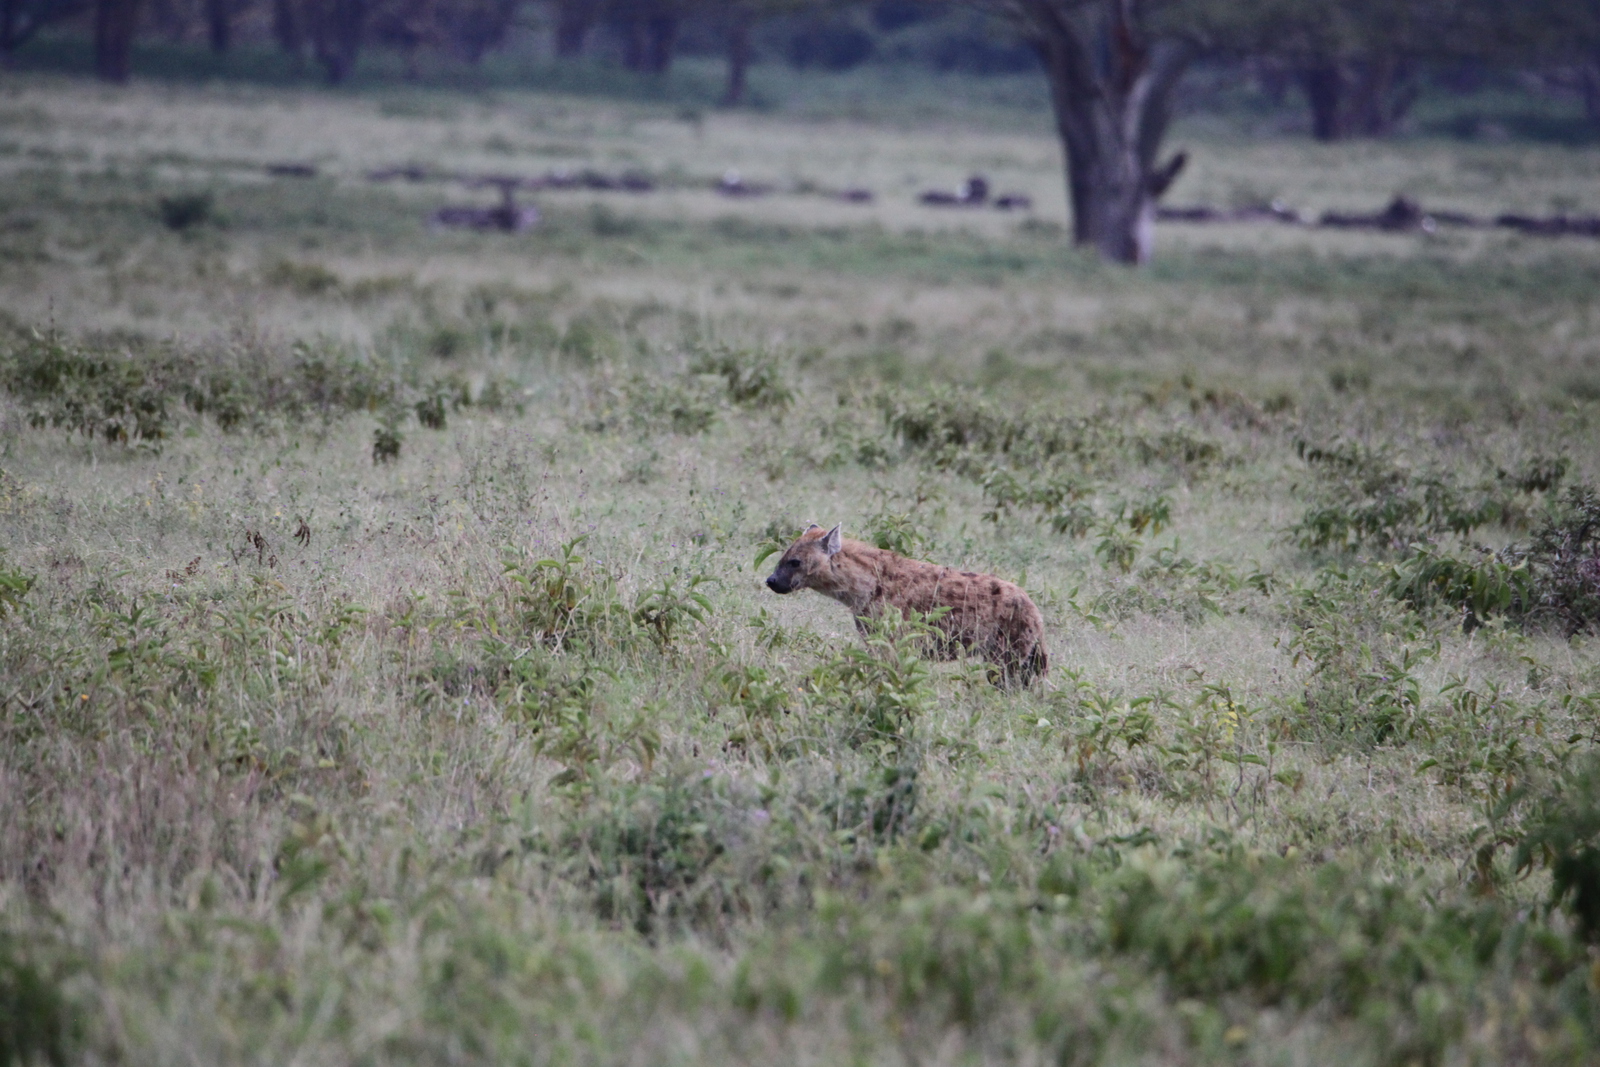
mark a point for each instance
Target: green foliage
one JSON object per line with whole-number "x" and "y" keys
{"x": 666, "y": 609}
{"x": 879, "y": 689}
{"x": 1363, "y": 655}
{"x": 14, "y": 585}
{"x": 650, "y": 852}
{"x": 895, "y": 532}
{"x": 1479, "y": 588}
{"x": 753, "y": 379}
{"x": 1563, "y": 834}
{"x": 563, "y": 600}
{"x": 38, "y": 1022}
{"x": 304, "y": 279}
{"x": 1563, "y": 561}
{"x": 118, "y": 398}
{"x": 1551, "y": 579}
{"x": 1365, "y": 497}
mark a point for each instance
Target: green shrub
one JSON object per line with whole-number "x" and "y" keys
{"x": 1365, "y": 497}
{"x": 1563, "y": 561}
{"x": 1563, "y": 834}
{"x": 37, "y": 1021}
{"x": 118, "y": 397}
{"x": 1479, "y": 588}
{"x": 752, "y": 379}
{"x": 14, "y": 585}
{"x": 386, "y": 442}
{"x": 304, "y": 279}
{"x": 649, "y": 851}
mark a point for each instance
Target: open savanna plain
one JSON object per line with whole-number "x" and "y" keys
{"x": 386, "y": 673}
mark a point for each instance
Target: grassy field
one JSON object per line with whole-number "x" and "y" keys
{"x": 387, "y": 674}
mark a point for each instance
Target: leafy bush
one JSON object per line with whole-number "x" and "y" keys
{"x": 753, "y": 379}
{"x": 1363, "y": 651}
{"x": 665, "y": 609}
{"x": 386, "y": 442}
{"x": 879, "y": 689}
{"x": 563, "y": 601}
{"x": 14, "y": 585}
{"x": 649, "y": 851}
{"x": 117, "y": 397}
{"x": 1563, "y": 834}
{"x": 1365, "y": 497}
{"x": 304, "y": 279}
{"x": 37, "y": 1022}
{"x": 1478, "y": 587}
{"x": 1553, "y": 578}
{"x": 1563, "y": 562}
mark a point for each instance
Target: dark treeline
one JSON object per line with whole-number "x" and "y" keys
{"x": 1114, "y": 68}
{"x": 1357, "y": 65}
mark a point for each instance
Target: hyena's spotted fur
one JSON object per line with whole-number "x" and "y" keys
{"x": 988, "y": 616}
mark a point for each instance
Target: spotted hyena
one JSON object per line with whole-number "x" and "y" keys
{"x": 987, "y": 616}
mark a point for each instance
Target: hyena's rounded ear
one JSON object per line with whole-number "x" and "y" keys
{"x": 833, "y": 541}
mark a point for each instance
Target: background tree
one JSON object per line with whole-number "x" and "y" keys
{"x": 1112, "y": 67}
{"x": 21, "y": 19}
{"x": 115, "y": 22}
{"x": 1564, "y": 34}
{"x": 336, "y": 29}
{"x": 219, "y": 24}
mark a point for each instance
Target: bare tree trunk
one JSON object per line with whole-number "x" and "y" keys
{"x": 633, "y": 44}
{"x": 738, "y": 57}
{"x": 1324, "y": 89}
{"x": 219, "y": 21}
{"x": 1383, "y": 92}
{"x": 10, "y": 32}
{"x": 661, "y": 37}
{"x": 114, "y": 24}
{"x": 573, "y": 20}
{"x": 1112, "y": 102}
{"x": 1589, "y": 83}
{"x": 336, "y": 33}
{"x": 1365, "y": 97}
{"x": 287, "y": 28}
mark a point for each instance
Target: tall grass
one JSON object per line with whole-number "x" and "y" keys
{"x": 387, "y": 676}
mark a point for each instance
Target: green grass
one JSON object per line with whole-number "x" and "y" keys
{"x": 387, "y": 674}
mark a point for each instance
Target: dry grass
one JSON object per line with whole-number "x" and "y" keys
{"x": 365, "y": 795}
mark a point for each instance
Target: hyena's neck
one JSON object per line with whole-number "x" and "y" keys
{"x": 855, "y": 577}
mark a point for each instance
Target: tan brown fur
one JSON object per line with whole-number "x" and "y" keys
{"x": 987, "y": 616}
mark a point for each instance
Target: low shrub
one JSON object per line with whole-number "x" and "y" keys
{"x": 38, "y": 1022}
{"x": 753, "y": 379}
{"x": 1563, "y": 835}
{"x": 1366, "y": 497}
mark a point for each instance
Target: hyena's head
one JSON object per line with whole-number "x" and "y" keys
{"x": 803, "y": 562}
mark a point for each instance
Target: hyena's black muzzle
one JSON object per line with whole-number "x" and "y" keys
{"x": 781, "y": 580}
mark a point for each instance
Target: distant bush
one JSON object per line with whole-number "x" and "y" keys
{"x": 182, "y": 211}
{"x": 753, "y": 379}
{"x": 1563, "y": 835}
{"x": 1366, "y": 497}
{"x": 830, "y": 44}
{"x": 1553, "y": 578}
{"x": 98, "y": 393}
{"x": 37, "y": 1023}
{"x": 130, "y": 392}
